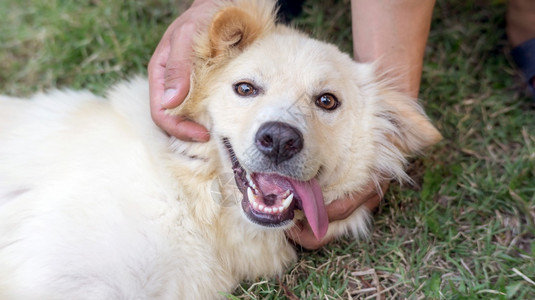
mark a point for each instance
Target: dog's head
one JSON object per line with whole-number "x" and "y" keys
{"x": 298, "y": 122}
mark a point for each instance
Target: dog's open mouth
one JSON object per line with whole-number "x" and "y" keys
{"x": 270, "y": 199}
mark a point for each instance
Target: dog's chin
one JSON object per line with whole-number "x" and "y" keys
{"x": 270, "y": 199}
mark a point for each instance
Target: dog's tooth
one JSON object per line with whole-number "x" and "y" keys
{"x": 268, "y": 210}
{"x": 280, "y": 209}
{"x": 251, "y": 195}
{"x": 255, "y": 205}
{"x": 250, "y": 180}
{"x": 261, "y": 207}
{"x": 287, "y": 201}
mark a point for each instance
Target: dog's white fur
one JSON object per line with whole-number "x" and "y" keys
{"x": 97, "y": 203}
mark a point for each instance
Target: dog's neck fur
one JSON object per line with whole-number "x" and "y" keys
{"x": 218, "y": 208}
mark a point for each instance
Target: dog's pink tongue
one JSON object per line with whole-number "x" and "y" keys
{"x": 313, "y": 206}
{"x": 308, "y": 191}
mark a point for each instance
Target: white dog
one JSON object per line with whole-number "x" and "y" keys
{"x": 96, "y": 202}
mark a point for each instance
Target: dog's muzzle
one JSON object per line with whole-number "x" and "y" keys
{"x": 270, "y": 198}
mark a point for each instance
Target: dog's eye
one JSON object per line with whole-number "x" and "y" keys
{"x": 327, "y": 101}
{"x": 245, "y": 89}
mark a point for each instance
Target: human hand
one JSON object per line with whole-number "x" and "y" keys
{"x": 170, "y": 69}
{"x": 340, "y": 209}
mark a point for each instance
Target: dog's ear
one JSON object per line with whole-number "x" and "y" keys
{"x": 232, "y": 29}
{"x": 235, "y": 27}
{"x": 414, "y": 131}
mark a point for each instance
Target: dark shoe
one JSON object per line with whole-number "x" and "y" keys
{"x": 289, "y": 9}
{"x": 524, "y": 57}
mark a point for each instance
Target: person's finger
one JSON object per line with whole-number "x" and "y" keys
{"x": 373, "y": 202}
{"x": 301, "y": 234}
{"x": 178, "y": 66}
{"x": 156, "y": 71}
{"x": 180, "y": 127}
{"x": 342, "y": 208}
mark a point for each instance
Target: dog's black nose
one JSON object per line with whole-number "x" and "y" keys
{"x": 278, "y": 141}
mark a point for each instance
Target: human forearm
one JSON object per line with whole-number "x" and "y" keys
{"x": 394, "y": 31}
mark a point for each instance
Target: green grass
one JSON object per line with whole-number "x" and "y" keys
{"x": 465, "y": 231}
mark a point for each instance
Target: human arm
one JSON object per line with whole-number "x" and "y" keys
{"x": 395, "y": 33}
